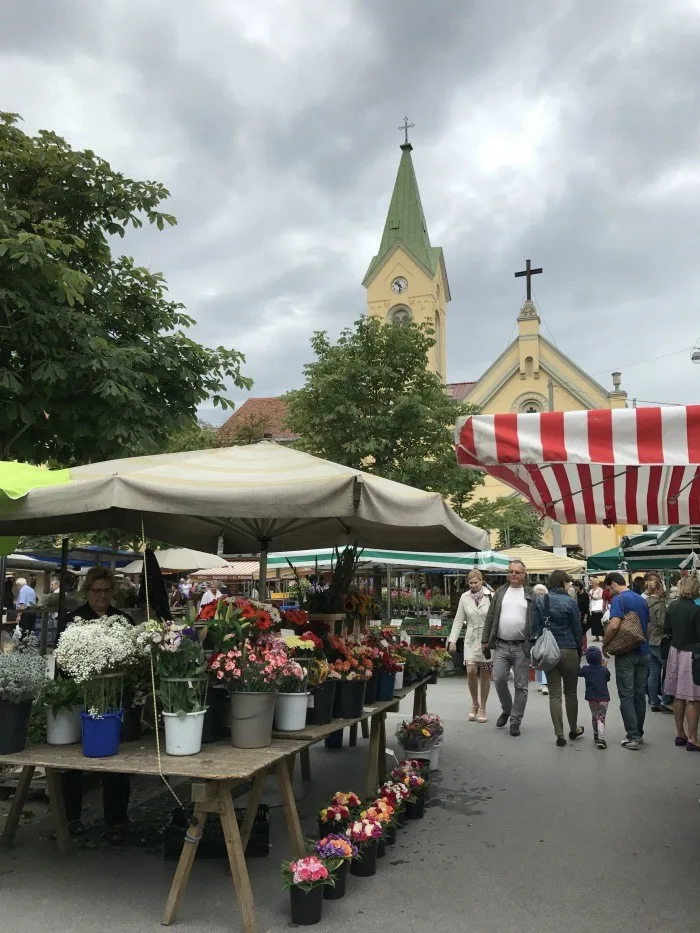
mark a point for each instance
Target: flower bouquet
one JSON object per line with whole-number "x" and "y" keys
{"x": 306, "y": 878}
{"x": 365, "y": 834}
{"x": 180, "y": 669}
{"x": 396, "y": 795}
{"x": 335, "y": 817}
{"x": 337, "y": 851}
{"x": 236, "y": 619}
{"x": 294, "y": 618}
{"x": 420, "y": 733}
{"x": 417, "y": 786}
{"x": 347, "y": 799}
{"x": 96, "y": 653}
{"x": 390, "y": 821}
{"x": 381, "y": 813}
{"x": 22, "y": 676}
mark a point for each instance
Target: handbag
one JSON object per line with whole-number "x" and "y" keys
{"x": 630, "y": 634}
{"x": 545, "y": 653}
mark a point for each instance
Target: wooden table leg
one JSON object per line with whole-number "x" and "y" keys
{"x": 373, "y": 756}
{"x": 296, "y": 837}
{"x": 305, "y": 759}
{"x": 252, "y": 807}
{"x": 184, "y": 866}
{"x": 381, "y": 758}
{"x": 18, "y": 802}
{"x": 424, "y": 699}
{"x": 353, "y": 735}
{"x": 236, "y": 857}
{"x": 417, "y": 701}
{"x": 58, "y": 812}
{"x": 364, "y": 726}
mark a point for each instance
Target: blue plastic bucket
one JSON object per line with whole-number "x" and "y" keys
{"x": 101, "y": 736}
{"x": 334, "y": 739}
{"x": 385, "y": 687}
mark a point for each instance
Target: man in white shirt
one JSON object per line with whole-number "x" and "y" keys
{"x": 26, "y": 597}
{"x": 507, "y": 636}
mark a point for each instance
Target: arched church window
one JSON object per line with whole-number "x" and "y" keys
{"x": 529, "y": 366}
{"x": 400, "y": 316}
{"x": 438, "y": 341}
{"x": 437, "y": 290}
{"x": 530, "y": 407}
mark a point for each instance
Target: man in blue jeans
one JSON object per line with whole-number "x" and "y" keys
{"x": 632, "y": 669}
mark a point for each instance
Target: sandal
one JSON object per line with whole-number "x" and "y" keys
{"x": 472, "y": 715}
{"x": 482, "y": 716}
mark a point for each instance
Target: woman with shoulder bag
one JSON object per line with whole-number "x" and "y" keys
{"x": 655, "y": 595}
{"x": 471, "y": 613}
{"x": 683, "y": 625}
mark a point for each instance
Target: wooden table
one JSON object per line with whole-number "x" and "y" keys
{"x": 376, "y": 715}
{"x": 216, "y": 770}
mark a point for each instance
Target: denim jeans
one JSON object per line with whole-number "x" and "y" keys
{"x": 504, "y": 657}
{"x": 657, "y": 673}
{"x": 631, "y": 674}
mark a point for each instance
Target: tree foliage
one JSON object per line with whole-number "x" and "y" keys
{"x": 512, "y": 517}
{"x": 370, "y": 403}
{"x": 95, "y": 360}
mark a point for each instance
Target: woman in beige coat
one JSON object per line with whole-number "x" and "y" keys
{"x": 471, "y": 612}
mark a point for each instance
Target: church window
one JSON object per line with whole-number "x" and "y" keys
{"x": 530, "y": 407}
{"x": 400, "y": 316}
{"x": 438, "y": 341}
{"x": 529, "y": 366}
{"x": 437, "y": 290}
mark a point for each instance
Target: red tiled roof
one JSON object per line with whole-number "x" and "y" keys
{"x": 459, "y": 390}
{"x": 265, "y": 416}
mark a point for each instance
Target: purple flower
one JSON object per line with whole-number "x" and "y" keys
{"x": 335, "y": 845}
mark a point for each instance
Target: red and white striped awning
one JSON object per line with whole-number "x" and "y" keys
{"x": 636, "y": 466}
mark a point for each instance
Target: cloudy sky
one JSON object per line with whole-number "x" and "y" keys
{"x": 563, "y": 130}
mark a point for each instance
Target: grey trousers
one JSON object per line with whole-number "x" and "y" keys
{"x": 565, "y": 672}
{"x": 504, "y": 658}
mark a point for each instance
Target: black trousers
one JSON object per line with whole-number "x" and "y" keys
{"x": 116, "y": 789}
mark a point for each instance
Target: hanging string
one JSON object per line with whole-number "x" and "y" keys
{"x": 153, "y": 675}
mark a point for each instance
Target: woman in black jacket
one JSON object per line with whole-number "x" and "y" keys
{"x": 683, "y": 625}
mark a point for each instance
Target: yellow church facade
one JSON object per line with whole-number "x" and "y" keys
{"x": 407, "y": 282}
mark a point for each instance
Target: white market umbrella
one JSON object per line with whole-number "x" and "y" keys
{"x": 241, "y": 499}
{"x": 176, "y": 559}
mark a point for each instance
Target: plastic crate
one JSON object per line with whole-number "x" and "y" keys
{"x": 212, "y": 843}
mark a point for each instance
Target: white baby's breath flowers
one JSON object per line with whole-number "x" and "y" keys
{"x": 89, "y": 648}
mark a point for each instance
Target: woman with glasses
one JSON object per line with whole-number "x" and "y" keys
{"x": 99, "y": 589}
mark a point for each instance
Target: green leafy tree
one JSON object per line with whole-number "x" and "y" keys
{"x": 370, "y": 403}
{"x": 95, "y": 360}
{"x": 512, "y": 517}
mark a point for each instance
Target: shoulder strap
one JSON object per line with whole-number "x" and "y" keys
{"x": 547, "y": 609}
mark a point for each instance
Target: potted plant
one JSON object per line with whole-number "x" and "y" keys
{"x": 22, "y": 676}
{"x": 390, "y": 822}
{"x": 347, "y": 799}
{"x": 324, "y": 602}
{"x": 417, "y": 785}
{"x": 382, "y": 815}
{"x": 387, "y": 676}
{"x": 292, "y": 698}
{"x": 252, "y": 671}
{"x": 322, "y": 687}
{"x": 180, "y": 672}
{"x": 63, "y": 702}
{"x": 421, "y": 737}
{"x": 96, "y": 653}
{"x": 353, "y": 668}
{"x": 336, "y": 850}
{"x": 334, "y": 818}
{"x": 306, "y": 879}
{"x": 396, "y": 795}
{"x": 365, "y": 834}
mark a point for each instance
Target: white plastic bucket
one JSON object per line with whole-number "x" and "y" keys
{"x": 183, "y": 732}
{"x": 398, "y": 683}
{"x": 431, "y": 755}
{"x": 65, "y": 727}
{"x": 290, "y": 711}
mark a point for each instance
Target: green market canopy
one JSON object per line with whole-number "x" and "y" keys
{"x": 488, "y": 561}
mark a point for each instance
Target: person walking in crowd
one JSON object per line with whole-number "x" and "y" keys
{"x": 632, "y": 668}
{"x": 26, "y": 595}
{"x": 597, "y": 608}
{"x": 560, "y": 612}
{"x": 539, "y": 589}
{"x": 100, "y": 586}
{"x": 683, "y": 625}
{"x": 596, "y": 675}
{"x": 507, "y": 638}
{"x": 471, "y": 613}
{"x": 639, "y": 586}
{"x": 656, "y": 601}
{"x": 583, "y": 601}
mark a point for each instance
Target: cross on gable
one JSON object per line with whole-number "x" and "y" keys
{"x": 406, "y": 126}
{"x": 528, "y": 271}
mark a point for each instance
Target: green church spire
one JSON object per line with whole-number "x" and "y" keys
{"x": 405, "y": 222}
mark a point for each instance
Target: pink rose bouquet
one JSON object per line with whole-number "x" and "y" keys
{"x": 306, "y": 873}
{"x": 362, "y": 832}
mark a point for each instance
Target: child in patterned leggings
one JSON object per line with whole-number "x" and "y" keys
{"x": 596, "y": 675}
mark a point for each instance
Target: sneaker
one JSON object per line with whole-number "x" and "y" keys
{"x": 601, "y": 743}
{"x": 539, "y": 688}
{"x": 561, "y": 741}
{"x": 545, "y": 691}
{"x": 631, "y": 745}
{"x": 502, "y": 720}
{"x": 655, "y": 709}
{"x": 579, "y": 732}
{"x": 514, "y": 728}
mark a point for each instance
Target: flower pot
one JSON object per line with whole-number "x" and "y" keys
{"x": 334, "y": 893}
{"x": 101, "y": 736}
{"x": 416, "y": 810}
{"x": 371, "y": 688}
{"x": 307, "y": 906}
{"x": 334, "y": 739}
{"x": 385, "y": 687}
{"x": 433, "y": 679}
{"x": 431, "y": 755}
{"x": 319, "y": 710}
{"x": 131, "y": 723}
{"x": 366, "y": 865}
{"x": 64, "y": 727}
{"x": 398, "y": 682}
{"x": 390, "y": 835}
{"x": 216, "y": 714}
{"x": 401, "y": 818}
{"x": 325, "y": 828}
{"x": 183, "y": 732}
{"x": 381, "y": 848}
{"x": 290, "y": 711}
{"x": 251, "y": 719}
{"x": 350, "y": 698}
{"x": 14, "y": 725}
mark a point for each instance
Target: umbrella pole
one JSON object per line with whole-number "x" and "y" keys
{"x": 62, "y": 584}
{"x": 262, "y": 583}
{"x": 388, "y": 592}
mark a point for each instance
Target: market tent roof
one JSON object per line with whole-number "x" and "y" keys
{"x": 672, "y": 548}
{"x": 254, "y": 497}
{"x": 538, "y": 561}
{"x": 635, "y": 466}
{"x": 176, "y": 559}
{"x": 398, "y": 560}
{"x": 604, "y": 561}
{"x": 234, "y": 570}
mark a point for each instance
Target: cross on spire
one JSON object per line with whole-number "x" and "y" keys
{"x": 528, "y": 272}
{"x": 406, "y": 126}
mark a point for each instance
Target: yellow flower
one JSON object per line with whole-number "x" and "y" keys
{"x": 425, "y": 733}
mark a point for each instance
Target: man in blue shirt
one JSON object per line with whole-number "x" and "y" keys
{"x": 632, "y": 669}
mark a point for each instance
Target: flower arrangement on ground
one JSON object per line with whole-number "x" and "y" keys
{"x": 178, "y": 660}
{"x": 306, "y": 873}
{"x": 337, "y": 815}
{"x": 420, "y": 733}
{"x": 380, "y": 814}
{"x": 335, "y": 848}
{"x": 347, "y": 799}
{"x": 395, "y": 794}
{"x": 364, "y": 831}
{"x": 413, "y": 780}
{"x": 250, "y": 667}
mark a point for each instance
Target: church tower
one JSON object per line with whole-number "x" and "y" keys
{"x": 406, "y": 280}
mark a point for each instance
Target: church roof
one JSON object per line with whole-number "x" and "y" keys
{"x": 258, "y": 416}
{"x": 458, "y": 391}
{"x": 405, "y": 222}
